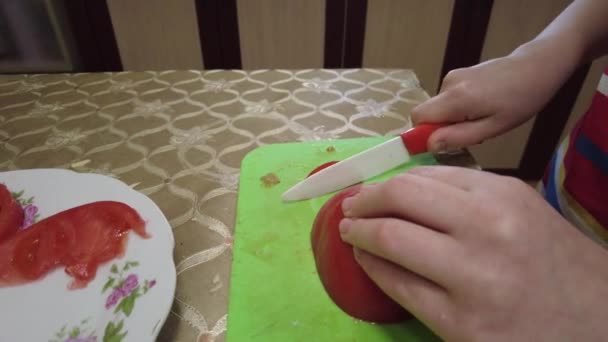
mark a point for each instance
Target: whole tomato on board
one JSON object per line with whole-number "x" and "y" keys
{"x": 349, "y": 287}
{"x": 321, "y": 167}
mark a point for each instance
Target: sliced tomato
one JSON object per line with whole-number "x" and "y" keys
{"x": 81, "y": 239}
{"x": 11, "y": 214}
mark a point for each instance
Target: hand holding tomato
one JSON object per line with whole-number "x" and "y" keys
{"x": 342, "y": 277}
{"x": 479, "y": 257}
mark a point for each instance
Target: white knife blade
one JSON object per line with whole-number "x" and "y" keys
{"x": 355, "y": 169}
{"x": 364, "y": 165}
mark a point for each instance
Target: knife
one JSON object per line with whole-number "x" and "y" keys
{"x": 364, "y": 165}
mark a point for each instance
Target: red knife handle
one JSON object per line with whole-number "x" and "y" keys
{"x": 416, "y": 138}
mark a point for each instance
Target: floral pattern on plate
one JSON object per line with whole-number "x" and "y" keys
{"x": 125, "y": 290}
{"x": 30, "y": 210}
{"x": 78, "y": 333}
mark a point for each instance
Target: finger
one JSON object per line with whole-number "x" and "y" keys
{"x": 411, "y": 197}
{"x": 447, "y": 82}
{"x": 453, "y": 77}
{"x": 463, "y": 134}
{"x": 464, "y": 178}
{"x": 453, "y": 105}
{"x": 421, "y": 297}
{"x": 420, "y": 250}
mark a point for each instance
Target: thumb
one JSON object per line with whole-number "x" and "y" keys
{"x": 457, "y": 107}
{"x": 462, "y": 134}
{"x": 453, "y": 105}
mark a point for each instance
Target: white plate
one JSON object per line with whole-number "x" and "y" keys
{"x": 47, "y": 311}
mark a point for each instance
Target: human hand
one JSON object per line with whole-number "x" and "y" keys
{"x": 479, "y": 257}
{"x": 493, "y": 97}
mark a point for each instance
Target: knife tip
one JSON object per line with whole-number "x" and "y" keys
{"x": 288, "y": 197}
{"x": 294, "y": 194}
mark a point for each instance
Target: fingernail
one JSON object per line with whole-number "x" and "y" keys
{"x": 347, "y": 205}
{"x": 439, "y": 146}
{"x": 345, "y": 225}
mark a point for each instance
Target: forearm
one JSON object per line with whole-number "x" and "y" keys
{"x": 578, "y": 35}
{"x": 583, "y": 25}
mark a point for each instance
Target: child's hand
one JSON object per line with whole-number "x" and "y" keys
{"x": 491, "y": 98}
{"x": 479, "y": 257}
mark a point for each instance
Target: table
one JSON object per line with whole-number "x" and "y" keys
{"x": 179, "y": 136}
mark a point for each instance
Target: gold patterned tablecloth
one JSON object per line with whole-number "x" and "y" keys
{"x": 179, "y": 137}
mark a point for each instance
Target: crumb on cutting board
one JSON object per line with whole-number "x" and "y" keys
{"x": 330, "y": 149}
{"x": 270, "y": 179}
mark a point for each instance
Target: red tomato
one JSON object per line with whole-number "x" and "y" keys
{"x": 321, "y": 167}
{"x": 416, "y": 138}
{"x": 11, "y": 214}
{"x": 346, "y": 283}
{"x": 81, "y": 239}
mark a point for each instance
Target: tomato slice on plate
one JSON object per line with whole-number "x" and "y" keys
{"x": 81, "y": 239}
{"x": 11, "y": 214}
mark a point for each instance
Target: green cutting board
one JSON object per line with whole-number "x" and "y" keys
{"x": 275, "y": 293}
